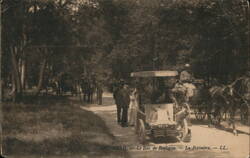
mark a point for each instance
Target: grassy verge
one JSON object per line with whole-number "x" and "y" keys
{"x": 55, "y": 126}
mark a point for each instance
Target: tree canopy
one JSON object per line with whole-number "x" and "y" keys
{"x": 108, "y": 39}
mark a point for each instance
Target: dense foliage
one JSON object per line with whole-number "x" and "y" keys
{"x": 108, "y": 39}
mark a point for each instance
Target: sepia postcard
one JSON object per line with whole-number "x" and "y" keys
{"x": 124, "y": 79}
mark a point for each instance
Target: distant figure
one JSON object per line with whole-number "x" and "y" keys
{"x": 99, "y": 94}
{"x": 91, "y": 91}
{"x": 88, "y": 87}
{"x": 85, "y": 87}
{"x": 133, "y": 106}
{"x": 122, "y": 100}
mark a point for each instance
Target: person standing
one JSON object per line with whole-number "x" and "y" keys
{"x": 122, "y": 101}
{"x": 133, "y": 106}
{"x": 125, "y": 105}
{"x": 116, "y": 89}
{"x": 99, "y": 94}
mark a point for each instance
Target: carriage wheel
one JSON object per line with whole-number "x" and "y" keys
{"x": 141, "y": 132}
{"x": 186, "y": 133}
{"x": 200, "y": 113}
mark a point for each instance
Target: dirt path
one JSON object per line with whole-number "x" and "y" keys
{"x": 212, "y": 143}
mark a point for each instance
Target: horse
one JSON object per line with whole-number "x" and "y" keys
{"x": 69, "y": 86}
{"x": 240, "y": 91}
{"x": 230, "y": 98}
{"x": 220, "y": 103}
{"x": 54, "y": 84}
{"x": 62, "y": 84}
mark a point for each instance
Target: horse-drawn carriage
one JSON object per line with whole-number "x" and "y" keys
{"x": 170, "y": 116}
{"x": 159, "y": 119}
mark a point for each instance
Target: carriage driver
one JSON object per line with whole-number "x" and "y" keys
{"x": 184, "y": 86}
{"x": 186, "y": 82}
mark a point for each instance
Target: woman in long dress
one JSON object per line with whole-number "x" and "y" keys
{"x": 133, "y": 108}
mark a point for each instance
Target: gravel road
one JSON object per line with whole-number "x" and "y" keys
{"x": 206, "y": 142}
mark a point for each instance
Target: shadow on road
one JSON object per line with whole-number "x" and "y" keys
{"x": 227, "y": 129}
{"x": 223, "y": 126}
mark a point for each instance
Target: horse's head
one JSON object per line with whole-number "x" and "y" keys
{"x": 239, "y": 88}
{"x": 229, "y": 90}
{"x": 228, "y": 93}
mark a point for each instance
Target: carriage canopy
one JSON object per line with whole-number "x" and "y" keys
{"x": 154, "y": 74}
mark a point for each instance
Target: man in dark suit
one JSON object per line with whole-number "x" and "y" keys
{"x": 99, "y": 93}
{"x": 122, "y": 100}
{"x": 118, "y": 106}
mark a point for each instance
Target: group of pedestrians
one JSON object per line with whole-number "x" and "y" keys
{"x": 126, "y": 103}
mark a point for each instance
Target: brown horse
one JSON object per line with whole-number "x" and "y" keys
{"x": 228, "y": 99}
{"x": 219, "y": 103}
{"x": 240, "y": 91}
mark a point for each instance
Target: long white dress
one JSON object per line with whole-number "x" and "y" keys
{"x": 133, "y": 106}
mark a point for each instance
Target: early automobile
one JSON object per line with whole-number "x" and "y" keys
{"x": 159, "y": 118}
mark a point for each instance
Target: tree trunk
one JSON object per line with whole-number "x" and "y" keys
{"x": 41, "y": 76}
{"x": 16, "y": 75}
{"x": 23, "y": 74}
{"x": 13, "y": 87}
